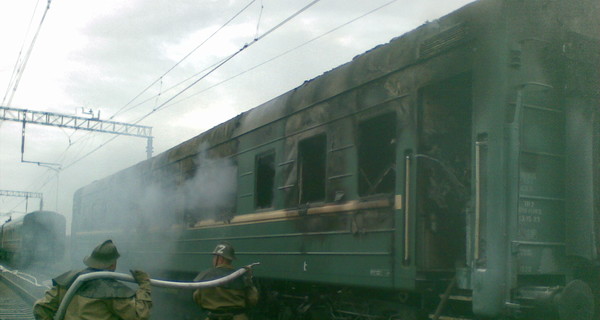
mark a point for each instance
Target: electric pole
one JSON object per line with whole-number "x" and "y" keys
{"x": 75, "y": 122}
{"x": 24, "y": 194}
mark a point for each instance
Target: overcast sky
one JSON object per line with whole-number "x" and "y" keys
{"x": 100, "y": 55}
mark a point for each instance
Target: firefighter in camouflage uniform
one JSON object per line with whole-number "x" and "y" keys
{"x": 231, "y": 300}
{"x": 100, "y": 299}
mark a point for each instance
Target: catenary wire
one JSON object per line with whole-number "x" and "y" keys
{"x": 218, "y": 64}
{"x": 21, "y": 69}
{"x": 182, "y": 59}
{"x": 89, "y": 134}
{"x": 198, "y": 80}
{"x": 262, "y": 63}
{"x": 189, "y": 86}
{"x": 49, "y": 178}
{"x": 16, "y": 67}
{"x": 256, "y": 66}
{"x": 175, "y": 85}
{"x": 259, "y": 17}
{"x": 149, "y": 86}
{"x": 121, "y": 110}
{"x": 246, "y": 46}
{"x": 49, "y": 175}
{"x": 283, "y": 53}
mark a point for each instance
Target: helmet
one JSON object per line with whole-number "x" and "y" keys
{"x": 103, "y": 256}
{"x": 225, "y": 250}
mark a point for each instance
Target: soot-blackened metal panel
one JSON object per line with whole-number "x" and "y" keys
{"x": 582, "y": 101}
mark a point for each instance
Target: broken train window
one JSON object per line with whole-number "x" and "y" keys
{"x": 265, "y": 180}
{"x": 377, "y": 155}
{"x": 312, "y": 157}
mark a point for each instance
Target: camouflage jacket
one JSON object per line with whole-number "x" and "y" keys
{"x": 100, "y": 299}
{"x": 236, "y": 295}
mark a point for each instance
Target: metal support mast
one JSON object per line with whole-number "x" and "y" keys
{"x": 24, "y": 194}
{"x": 78, "y": 123}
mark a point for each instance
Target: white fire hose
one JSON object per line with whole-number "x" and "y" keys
{"x": 60, "y": 313}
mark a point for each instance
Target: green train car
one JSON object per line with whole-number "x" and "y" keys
{"x": 453, "y": 173}
{"x": 36, "y": 238}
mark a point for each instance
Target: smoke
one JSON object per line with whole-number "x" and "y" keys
{"x": 210, "y": 194}
{"x": 146, "y": 211}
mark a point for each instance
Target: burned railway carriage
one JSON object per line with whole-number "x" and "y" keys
{"x": 35, "y": 238}
{"x": 460, "y": 158}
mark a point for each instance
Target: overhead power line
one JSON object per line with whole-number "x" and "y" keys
{"x": 48, "y": 179}
{"x": 174, "y": 86}
{"x": 16, "y": 67}
{"x": 259, "y": 16}
{"x": 21, "y": 69}
{"x": 246, "y": 46}
{"x": 217, "y": 65}
{"x": 257, "y": 65}
{"x": 182, "y": 59}
{"x": 123, "y": 108}
{"x": 277, "y": 56}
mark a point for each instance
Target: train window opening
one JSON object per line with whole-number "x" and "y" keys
{"x": 443, "y": 172}
{"x": 198, "y": 201}
{"x": 265, "y": 180}
{"x": 377, "y": 155}
{"x": 312, "y": 158}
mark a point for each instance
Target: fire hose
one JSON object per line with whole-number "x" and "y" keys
{"x": 60, "y": 313}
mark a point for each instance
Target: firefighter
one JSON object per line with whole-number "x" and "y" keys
{"x": 99, "y": 299}
{"x": 231, "y": 300}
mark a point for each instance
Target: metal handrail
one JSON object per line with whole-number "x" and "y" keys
{"x": 60, "y": 313}
{"x": 476, "y": 243}
{"x": 407, "y": 208}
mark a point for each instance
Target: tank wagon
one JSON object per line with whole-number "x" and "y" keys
{"x": 452, "y": 172}
{"x": 39, "y": 236}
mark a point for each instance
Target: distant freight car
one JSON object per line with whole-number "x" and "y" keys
{"x": 38, "y": 236}
{"x": 454, "y": 171}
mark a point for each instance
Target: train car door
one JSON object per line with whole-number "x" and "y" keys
{"x": 443, "y": 161}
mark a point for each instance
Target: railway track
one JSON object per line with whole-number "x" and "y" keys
{"x": 14, "y": 304}
{"x": 18, "y": 292}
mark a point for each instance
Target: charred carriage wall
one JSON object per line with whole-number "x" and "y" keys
{"x": 466, "y": 149}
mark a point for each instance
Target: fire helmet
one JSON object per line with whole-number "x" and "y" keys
{"x": 225, "y": 250}
{"x": 103, "y": 256}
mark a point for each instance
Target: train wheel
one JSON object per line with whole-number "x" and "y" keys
{"x": 576, "y": 301}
